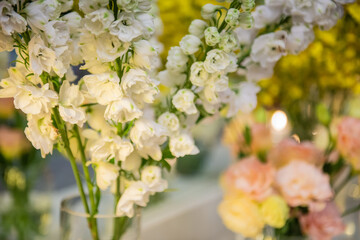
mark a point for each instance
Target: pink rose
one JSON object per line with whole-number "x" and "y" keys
{"x": 302, "y": 184}
{"x": 348, "y": 140}
{"x": 6, "y": 107}
{"x": 251, "y": 177}
{"x": 323, "y": 225}
{"x": 12, "y": 142}
{"x": 289, "y": 150}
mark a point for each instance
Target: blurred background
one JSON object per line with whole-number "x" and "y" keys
{"x": 322, "y": 82}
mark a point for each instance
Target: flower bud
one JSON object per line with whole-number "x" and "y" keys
{"x": 246, "y": 20}
{"x": 190, "y": 44}
{"x": 197, "y": 28}
{"x": 247, "y": 5}
{"x": 208, "y": 11}
{"x": 232, "y": 17}
{"x": 212, "y": 36}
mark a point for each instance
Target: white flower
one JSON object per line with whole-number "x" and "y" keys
{"x": 127, "y": 5}
{"x": 210, "y": 107}
{"x": 198, "y": 74}
{"x": 176, "y": 60}
{"x": 245, "y": 37}
{"x": 255, "y": 72}
{"x": 39, "y": 12}
{"x": 106, "y": 174}
{"x": 41, "y": 57}
{"x": 41, "y": 133}
{"x": 10, "y": 21}
{"x": 245, "y": 101}
{"x": 209, "y": 10}
{"x": 109, "y": 47}
{"x": 264, "y": 15}
{"x": 137, "y": 193}
{"x": 190, "y": 44}
{"x": 269, "y": 48}
{"x": 98, "y": 21}
{"x": 182, "y": 145}
{"x": 275, "y": 3}
{"x": 66, "y": 5}
{"x": 62, "y": 62}
{"x": 97, "y": 121}
{"x": 104, "y": 87}
{"x": 144, "y": 5}
{"x": 132, "y": 162}
{"x": 212, "y": 36}
{"x": 216, "y": 61}
{"x": 299, "y": 39}
{"x": 88, "y": 6}
{"x": 217, "y": 83}
{"x": 228, "y": 42}
{"x": 137, "y": 84}
{"x": 143, "y": 54}
{"x": 151, "y": 176}
{"x": 123, "y": 110}
{"x": 110, "y": 146}
{"x": 170, "y": 121}
{"x": 183, "y": 100}
{"x": 197, "y": 28}
{"x": 126, "y": 28}
{"x": 10, "y": 86}
{"x": 147, "y": 23}
{"x": 57, "y": 32}
{"x": 70, "y": 104}
{"x": 73, "y": 20}
{"x": 6, "y": 42}
{"x": 34, "y": 100}
{"x": 329, "y": 14}
{"x": 171, "y": 79}
{"x": 148, "y": 136}
{"x": 232, "y": 17}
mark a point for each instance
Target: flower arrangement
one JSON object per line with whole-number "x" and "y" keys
{"x": 112, "y": 119}
{"x": 290, "y": 186}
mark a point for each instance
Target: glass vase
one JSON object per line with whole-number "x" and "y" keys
{"x": 74, "y": 222}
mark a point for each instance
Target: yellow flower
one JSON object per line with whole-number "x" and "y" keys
{"x": 275, "y": 211}
{"x": 241, "y": 215}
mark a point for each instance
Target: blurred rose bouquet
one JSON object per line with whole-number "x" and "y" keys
{"x": 290, "y": 186}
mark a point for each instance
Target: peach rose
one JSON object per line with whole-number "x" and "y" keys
{"x": 302, "y": 184}
{"x": 251, "y": 177}
{"x": 323, "y": 225}
{"x": 234, "y": 137}
{"x": 289, "y": 150}
{"x": 6, "y": 107}
{"x": 12, "y": 142}
{"x": 348, "y": 140}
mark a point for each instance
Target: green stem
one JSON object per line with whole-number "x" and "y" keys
{"x": 117, "y": 230}
{"x": 87, "y": 178}
{"x": 64, "y": 136}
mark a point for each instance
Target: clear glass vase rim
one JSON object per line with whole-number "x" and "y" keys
{"x": 64, "y": 208}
